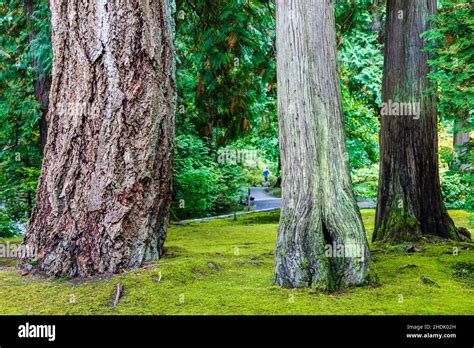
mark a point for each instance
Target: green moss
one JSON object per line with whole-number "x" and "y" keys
{"x": 464, "y": 271}
{"x": 399, "y": 226}
{"x": 372, "y": 279}
{"x": 14, "y": 240}
{"x": 304, "y": 264}
{"x": 285, "y": 220}
{"x": 453, "y": 233}
{"x": 243, "y": 286}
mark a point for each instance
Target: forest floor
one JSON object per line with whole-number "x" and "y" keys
{"x": 226, "y": 267}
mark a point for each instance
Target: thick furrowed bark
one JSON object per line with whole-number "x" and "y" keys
{"x": 318, "y": 205}
{"x": 409, "y": 203}
{"x": 104, "y": 193}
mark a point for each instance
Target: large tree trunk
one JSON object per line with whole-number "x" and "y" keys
{"x": 42, "y": 85}
{"x": 104, "y": 194}
{"x": 409, "y": 202}
{"x": 318, "y": 205}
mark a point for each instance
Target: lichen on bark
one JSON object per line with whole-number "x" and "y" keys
{"x": 318, "y": 205}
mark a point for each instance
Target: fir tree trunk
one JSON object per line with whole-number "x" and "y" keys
{"x": 318, "y": 204}
{"x": 104, "y": 194}
{"x": 409, "y": 203}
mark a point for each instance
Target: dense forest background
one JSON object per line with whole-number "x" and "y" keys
{"x": 226, "y": 119}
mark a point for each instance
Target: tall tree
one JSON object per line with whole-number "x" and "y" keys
{"x": 409, "y": 202}
{"x": 318, "y": 205}
{"x": 104, "y": 193}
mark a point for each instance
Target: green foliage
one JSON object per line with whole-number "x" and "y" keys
{"x": 226, "y": 67}
{"x": 455, "y": 185}
{"x": 361, "y": 124}
{"x": 40, "y": 50}
{"x": 454, "y": 188}
{"x": 452, "y": 57}
{"x": 202, "y": 185}
{"x": 226, "y": 81}
{"x": 19, "y": 114}
{"x": 451, "y": 49}
{"x": 360, "y": 62}
{"x": 264, "y": 144}
{"x": 226, "y": 99}
{"x": 365, "y": 181}
{"x": 7, "y": 227}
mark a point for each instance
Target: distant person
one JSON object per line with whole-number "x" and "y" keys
{"x": 266, "y": 174}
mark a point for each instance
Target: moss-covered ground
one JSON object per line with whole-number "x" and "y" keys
{"x": 226, "y": 267}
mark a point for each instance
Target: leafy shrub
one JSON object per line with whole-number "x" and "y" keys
{"x": 196, "y": 189}
{"x": 8, "y": 228}
{"x": 454, "y": 188}
{"x": 365, "y": 181}
{"x": 361, "y": 131}
{"x": 17, "y": 193}
{"x": 230, "y": 181}
{"x": 201, "y": 185}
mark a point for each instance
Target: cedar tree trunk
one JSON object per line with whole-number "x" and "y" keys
{"x": 318, "y": 204}
{"x": 409, "y": 203}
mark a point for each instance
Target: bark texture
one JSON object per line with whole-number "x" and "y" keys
{"x": 409, "y": 203}
{"x": 104, "y": 194}
{"x": 318, "y": 205}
